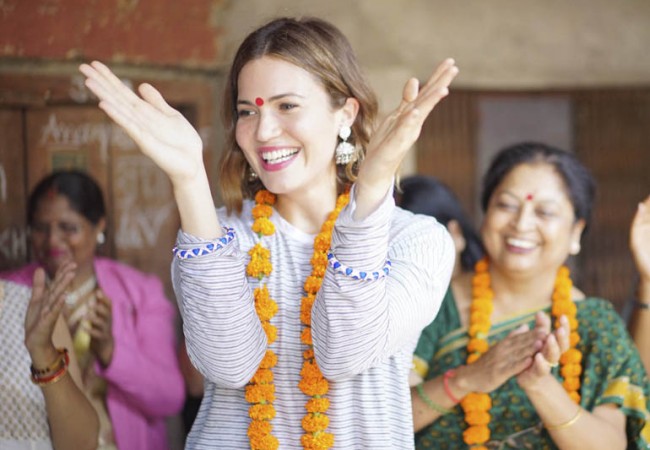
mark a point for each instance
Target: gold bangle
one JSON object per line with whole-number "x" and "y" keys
{"x": 566, "y": 424}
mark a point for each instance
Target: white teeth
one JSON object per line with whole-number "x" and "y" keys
{"x": 521, "y": 243}
{"x": 278, "y": 156}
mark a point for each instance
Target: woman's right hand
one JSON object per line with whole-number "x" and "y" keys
{"x": 161, "y": 132}
{"x": 502, "y": 361}
{"x": 640, "y": 240}
{"x": 44, "y": 308}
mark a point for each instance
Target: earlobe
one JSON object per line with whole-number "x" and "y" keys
{"x": 578, "y": 228}
{"x": 101, "y": 227}
{"x": 457, "y": 236}
{"x": 350, "y": 110}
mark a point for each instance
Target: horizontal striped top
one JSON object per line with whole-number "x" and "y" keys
{"x": 364, "y": 332}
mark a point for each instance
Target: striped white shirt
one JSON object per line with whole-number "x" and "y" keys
{"x": 364, "y": 332}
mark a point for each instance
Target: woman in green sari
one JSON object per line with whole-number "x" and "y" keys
{"x": 519, "y": 358}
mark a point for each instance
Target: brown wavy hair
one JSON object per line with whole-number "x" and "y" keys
{"x": 322, "y": 50}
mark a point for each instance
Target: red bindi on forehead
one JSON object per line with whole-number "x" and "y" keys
{"x": 529, "y": 197}
{"x": 259, "y": 101}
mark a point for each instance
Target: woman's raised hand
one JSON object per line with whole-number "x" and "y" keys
{"x": 396, "y": 135}
{"x": 400, "y": 129}
{"x": 100, "y": 328}
{"x": 161, "y": 132}
{"x": 640, "y": 240}
{"x": 44, "y": 308}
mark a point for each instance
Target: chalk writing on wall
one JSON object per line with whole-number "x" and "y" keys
{"x": 143, "y": 203}
{"x": 57, "y": 133}
{"x": 13, "y": 243}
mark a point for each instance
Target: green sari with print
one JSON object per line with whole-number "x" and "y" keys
{"x": 612, "y": 373}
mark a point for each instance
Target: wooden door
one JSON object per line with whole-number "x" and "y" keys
{"x": 13, "y": 232}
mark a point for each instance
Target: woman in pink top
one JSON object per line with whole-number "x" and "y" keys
{"x": 122, "y": 324}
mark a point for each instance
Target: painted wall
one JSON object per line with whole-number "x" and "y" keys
{"x": 498, "y": 44}
{"x": 134, "y": 31}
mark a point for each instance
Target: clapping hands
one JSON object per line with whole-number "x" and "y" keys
{"x": 527, "y": 354}
{"x": 161, "y": 132}
{"x": 554, "y": 345}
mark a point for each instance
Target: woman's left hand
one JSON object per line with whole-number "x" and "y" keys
{"x": 549, "y": 356}
{"x": 399, "y": 130}
{"x": 101, "y": 329}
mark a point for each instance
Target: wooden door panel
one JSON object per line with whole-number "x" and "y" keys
{"x": 13, "y": 240}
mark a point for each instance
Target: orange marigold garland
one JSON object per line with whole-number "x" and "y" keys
{"x": 313, "y": 383}
{"x": 476, "y": 405}
{"x": 260, "y": 391}
{"x": 570, "y": 361}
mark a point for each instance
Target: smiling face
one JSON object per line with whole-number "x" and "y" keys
{"x": 287, "y": 127}
{"x": 529, "y": 226}
{"x": 59, "y": 234}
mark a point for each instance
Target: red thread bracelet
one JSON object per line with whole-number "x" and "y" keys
{"x": 445, "y": 382}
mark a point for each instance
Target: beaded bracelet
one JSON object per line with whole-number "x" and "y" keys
{"x": 54, "y": 366}
{"x": 51, "y": 380}
{"x": 430, "y": 403}
{"x": 208, "y": 248}
{"x": 357, "y": 274}
{"x": 56, "y": 376}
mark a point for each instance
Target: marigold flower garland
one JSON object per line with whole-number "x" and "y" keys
{"x": 261, "y": 391}
{"x": 570, "y": 361}
{"x": 476, "y": 405}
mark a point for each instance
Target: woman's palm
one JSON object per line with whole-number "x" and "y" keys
{"x": 161, "y": 132}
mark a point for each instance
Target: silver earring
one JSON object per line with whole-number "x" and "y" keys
{"x": 344, "y": 151}
{"x": 252, "y": 176}
{"x": 101, "y": 238}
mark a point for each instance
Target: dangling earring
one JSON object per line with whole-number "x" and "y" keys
{"x": 101, "y": 238}
{"x": 252, "y": 176}
{"x": 344, "y": 151}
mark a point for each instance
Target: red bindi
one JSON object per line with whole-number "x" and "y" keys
{"x": 529, "y": 197}
{"x": 259, "y": 101}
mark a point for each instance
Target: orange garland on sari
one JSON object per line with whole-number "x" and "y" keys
{"x": 476, "y": 405}
{"x": 260, "y": 391}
